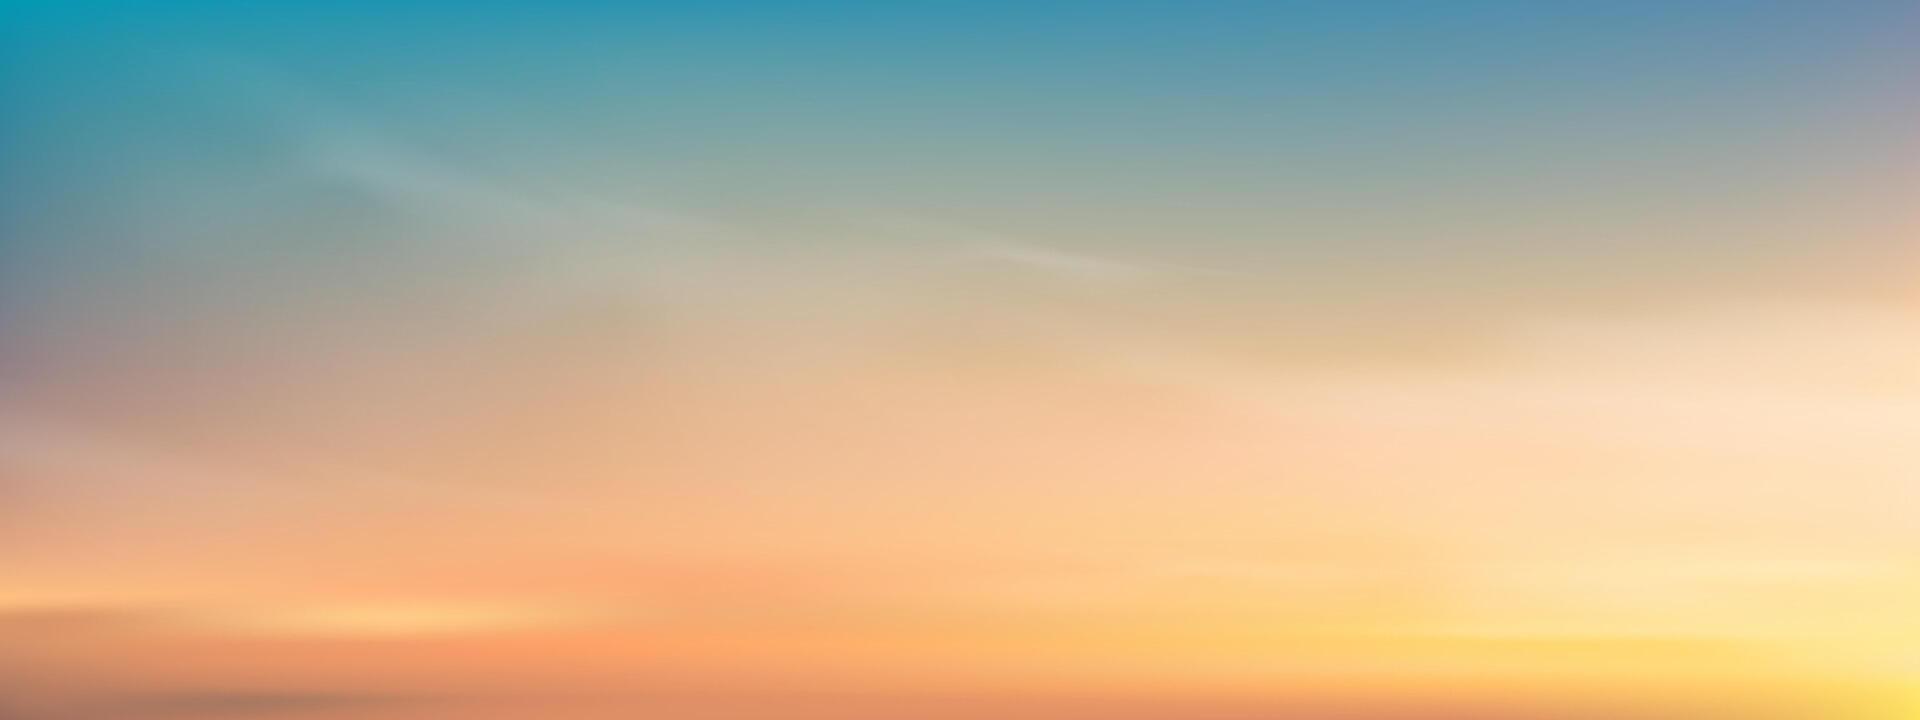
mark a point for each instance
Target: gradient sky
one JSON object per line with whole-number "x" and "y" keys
{"x": 992, "y": 359}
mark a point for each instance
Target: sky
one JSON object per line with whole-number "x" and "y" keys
{"x": 1139, "y": 360}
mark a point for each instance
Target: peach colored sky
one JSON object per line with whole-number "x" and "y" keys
{"x": 1026, "y": 360}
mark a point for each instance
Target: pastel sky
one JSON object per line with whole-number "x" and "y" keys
{"x": 1385, "y": 360}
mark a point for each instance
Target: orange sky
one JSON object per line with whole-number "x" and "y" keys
{"x": 1118, "y": 360}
